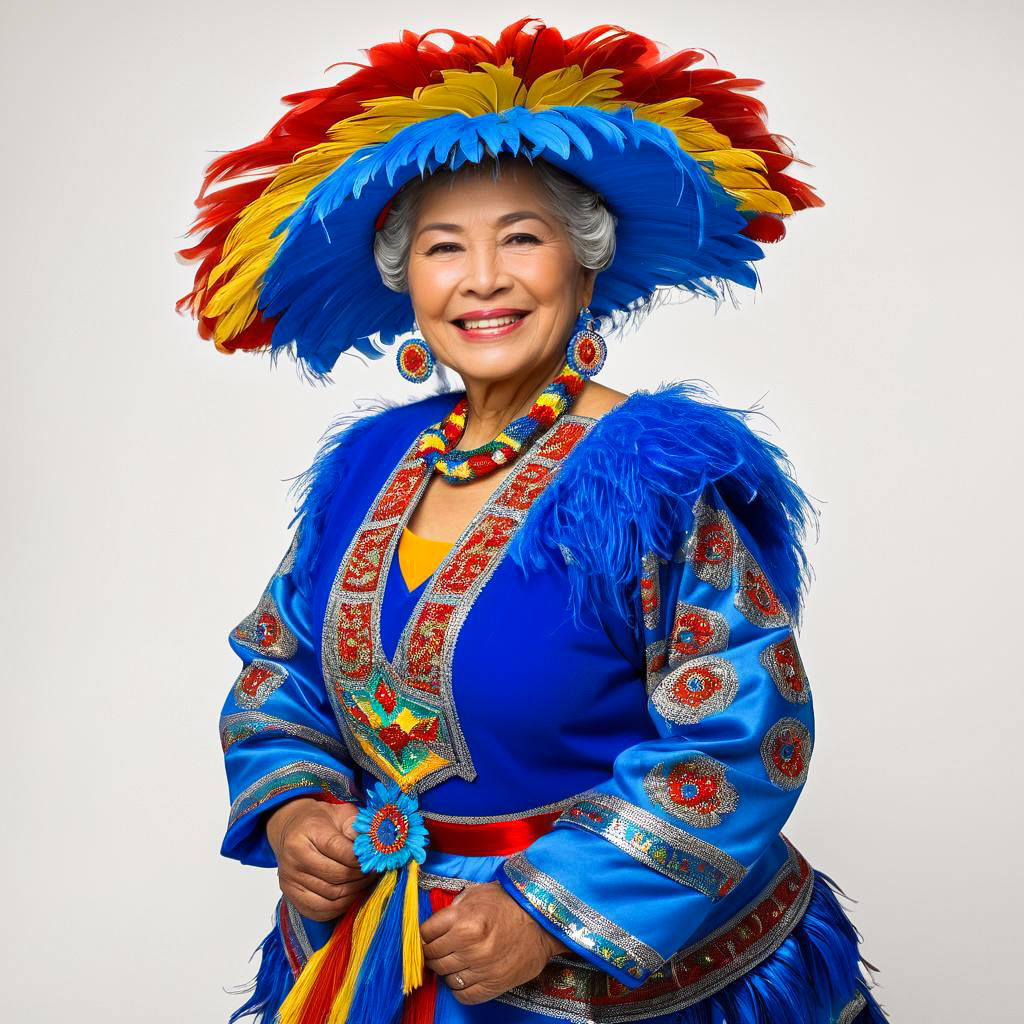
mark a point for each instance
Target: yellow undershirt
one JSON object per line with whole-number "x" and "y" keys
{"x": 418, "y": 557}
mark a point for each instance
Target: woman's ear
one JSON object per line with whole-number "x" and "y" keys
{"x": 588, "y": 278}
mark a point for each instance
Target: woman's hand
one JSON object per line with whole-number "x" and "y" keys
{"x": 316, "y": 865}
{"x": 486, "y": 940}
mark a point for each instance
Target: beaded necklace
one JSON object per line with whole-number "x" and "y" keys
{"x": 437, "y": 444}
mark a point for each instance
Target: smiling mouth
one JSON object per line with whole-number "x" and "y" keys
{"x": 495, "y": 324}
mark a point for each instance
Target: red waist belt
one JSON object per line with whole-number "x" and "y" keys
{"x": 490, "y": 839}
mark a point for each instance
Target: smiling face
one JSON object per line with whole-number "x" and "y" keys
{"x": 489, "y": 249}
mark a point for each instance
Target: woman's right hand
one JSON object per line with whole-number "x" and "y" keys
{"x": 316, "y": 865}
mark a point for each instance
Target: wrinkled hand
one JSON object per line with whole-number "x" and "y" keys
{"x": 487, "y": 939}
{"x": 316, "y": 866}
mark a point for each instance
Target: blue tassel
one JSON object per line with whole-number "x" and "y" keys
{"x": 273, "y": 980}
{"x": 378, "y": 996}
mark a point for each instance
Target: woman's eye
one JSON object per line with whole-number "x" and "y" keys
{"x": 531, "y": 239}
{"x": 441, "y": 247}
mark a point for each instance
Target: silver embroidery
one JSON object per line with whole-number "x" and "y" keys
{"x": 264, "y": 631}
{"x": 849, "y": 1012}
{"x": 755, "y": 598}
{"x": 297, "y": 775}
{"x": 696, "y": 689}
{"x": 581, "y": 922}
{"x": 695, "y": 632}
{"x": 450, "y": 746}
{"x": 666, "y": 849}
{"x": 711, "y": 545}
{"x": 584, "y": 978}
{"x": 235, "y": 728}
{"x": 256, "y": 682}
{"x": 488, "y": 819}
{"x": 693, "y": 788}
{"x": 785, "y": 666}
{"x": 288, "y": 562}
{"x": 650, "y": 589}
{"x": 786, "y": 753}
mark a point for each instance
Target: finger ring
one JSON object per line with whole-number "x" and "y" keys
{"x": 459, "y": 981}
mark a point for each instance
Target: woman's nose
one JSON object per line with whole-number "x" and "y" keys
{"x": 484, "y": 275}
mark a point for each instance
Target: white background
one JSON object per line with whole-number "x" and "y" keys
{"x": 145, "y": 505}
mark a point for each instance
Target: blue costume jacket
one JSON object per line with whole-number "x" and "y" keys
{"x": 609, "y": 643}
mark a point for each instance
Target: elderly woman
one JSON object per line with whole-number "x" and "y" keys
{"x": 521, "y": 712}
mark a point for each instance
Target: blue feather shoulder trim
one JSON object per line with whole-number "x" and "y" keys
{"x": 629, "y": 488}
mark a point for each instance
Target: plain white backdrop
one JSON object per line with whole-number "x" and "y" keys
{"x": 145, "y": 503}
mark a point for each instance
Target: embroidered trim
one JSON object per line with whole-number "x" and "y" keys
{"x": 650, "y": 589}
{"x": 666, "y": 849}
{"x": 235, "y": 728}
{"x": 695, "y": 690}
{"x": 786, "y": 667}
{"x": 580, "y": 922}
{"x": 298, "y": 775}
{"x": 849, "y": 1012}
{"x": 489, "y": 819}
{"x": 264, "y": 631}
{"x": 710, "y": 548}
{"x": 786, "y": 753}
{"x": 576, "y": 990}
{"x": 256, "y": 682}
{"x": 693, "y": 788}
{"x": 427, "y": 880}
{"x": 399, "y": 719}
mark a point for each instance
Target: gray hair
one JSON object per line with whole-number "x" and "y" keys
{"x": 588, "y": 222}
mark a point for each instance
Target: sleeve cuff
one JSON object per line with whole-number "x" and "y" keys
{"x": 586, "y": 932}
{"x": 246, "y": 838}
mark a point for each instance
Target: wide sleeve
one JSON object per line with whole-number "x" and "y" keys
{"x": 631, "y": 871}
{"x": 277, "y": 728}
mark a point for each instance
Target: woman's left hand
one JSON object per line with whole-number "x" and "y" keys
{"x": 486, "y": 941}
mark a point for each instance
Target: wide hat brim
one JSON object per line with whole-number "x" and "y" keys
{"x": 676, "y": 228}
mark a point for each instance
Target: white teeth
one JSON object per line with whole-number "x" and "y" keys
{"x": 501, "y": 321}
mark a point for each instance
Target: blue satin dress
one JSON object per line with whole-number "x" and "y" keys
{"x": 611, "y": 643}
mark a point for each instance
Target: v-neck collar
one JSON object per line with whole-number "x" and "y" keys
{"x": 400, "y": 713}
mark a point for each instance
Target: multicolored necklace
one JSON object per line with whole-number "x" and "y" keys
{"x": 437, "y": 444}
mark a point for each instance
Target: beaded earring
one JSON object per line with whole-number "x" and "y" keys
{"x": 415, "y": 360}
{"x": 587, "y": 349}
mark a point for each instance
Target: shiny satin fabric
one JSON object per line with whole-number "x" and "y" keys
{"x": 675, "y": 747}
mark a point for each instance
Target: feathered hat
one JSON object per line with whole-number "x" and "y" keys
{"x": 680, "y": 154}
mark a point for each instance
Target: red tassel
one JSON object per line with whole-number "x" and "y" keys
{"x": 765, "y": 229}
{"x": 332, "y": 969}
{"x": 420, "y": 1002}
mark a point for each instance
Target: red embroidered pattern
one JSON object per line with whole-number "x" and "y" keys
{"x": 425, "y": 647}
{"x": 362, "y": 571}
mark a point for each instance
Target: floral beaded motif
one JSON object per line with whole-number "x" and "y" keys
{"x": 786, "y": 753}
{"x": 693, "y": 788}
{"x": 784, "y": 665}
{"x": 263, "y": 630}
{"x": 398, "y": 718}
{"x": 711, "y": 546}
{"x": 256, "y": 682}
{"x": 696, "y": 689}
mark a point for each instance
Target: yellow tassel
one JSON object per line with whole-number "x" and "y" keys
{"x": 363, "y": 930}
{"x": 412, "y": 944}
{"x": 291, "y": 1008}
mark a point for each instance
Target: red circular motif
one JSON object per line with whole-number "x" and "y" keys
{"x": 714, "y": 544}
{"x": 694, "y": 789}
{"x": 758, "y": 589}
{"x": 269, "y": 630}
{"x": 401, "y": 824}
{"x": 788, "y": 753}
{"x": 710, "y": 684}
{"x": 699, "y": 628}
{"x": 785, "y": 658}
{"x": 254, "y": 680}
